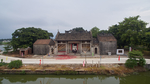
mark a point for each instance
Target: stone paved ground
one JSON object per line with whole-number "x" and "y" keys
{"x": 76, "y": 57}
{"x": 77, "y": 60}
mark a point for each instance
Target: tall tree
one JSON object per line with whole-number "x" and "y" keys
{"x": 114, "y": 29}
{"x": 25, "y": 37}
{"x": 146, "y": 38}
{"x": 131, "y": 30}
{"x": 95, "y": 31}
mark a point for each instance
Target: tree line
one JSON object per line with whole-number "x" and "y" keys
{"x": 2, "y": 43}
{"x": 130, "y": 32}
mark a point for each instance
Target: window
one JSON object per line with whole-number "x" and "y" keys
{"x": 61, "y": 47}
{"x": 86, "y": 47}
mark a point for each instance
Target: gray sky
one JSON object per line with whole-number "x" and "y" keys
{"x": 54, "y": 15}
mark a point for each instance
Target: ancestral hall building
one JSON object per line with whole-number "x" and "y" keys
{"x": 80, "y": 42}
{"x": 74, "y": 42}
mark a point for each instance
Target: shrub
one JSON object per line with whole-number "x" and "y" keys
{"x": 142, "y": 62}
{"x": 1, "y": 60}
{"x": 1, "y": 64}
{"x": 131, "y": 63}
{"x": 5, "y": 52}
{"x": 135, "y": 54}
{"x": 15, "y": 64}
{"x": 135, "y": 57}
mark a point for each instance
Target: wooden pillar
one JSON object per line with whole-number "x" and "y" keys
{"x": 56, "y": 48}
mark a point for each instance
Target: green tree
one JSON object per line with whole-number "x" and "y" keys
{"x": 103, "y": 31}
{"x": 95, "y": 31}
{"x": 78, "y": 29}
{"x": 147, "y": 29}
{"x": 7, "y": 48}
{"x": 0, "y": 42}
{"x": 146, "y": 38}
{"x": 114, "y": 29}
{"x": 25, "y": 37}
{"x": 131, "y": 30}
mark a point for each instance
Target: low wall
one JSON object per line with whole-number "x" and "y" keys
{"x": 47, "y": 72}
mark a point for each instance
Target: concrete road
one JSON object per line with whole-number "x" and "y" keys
{"x": 8, "y": 59}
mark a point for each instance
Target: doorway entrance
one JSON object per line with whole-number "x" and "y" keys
{"x": 95, "y": 50}
{"x": 52, "y": 51}
{"x": 74, "y": 47}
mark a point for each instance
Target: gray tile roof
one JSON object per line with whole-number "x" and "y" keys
{"x": 74, "y": 36}
{"x": 95, "y": 41}
{"x": 106, "y": 37}
{"x": 44, "y": 42}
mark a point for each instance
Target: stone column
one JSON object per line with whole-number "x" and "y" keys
{"x": 49, "y": 50}
{"x": 90, "y": 48}
{"x": 98, "y": 50}
{"x": 56, "y": 48}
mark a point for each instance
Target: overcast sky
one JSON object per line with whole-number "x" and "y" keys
{"x": 54, "y": 15}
